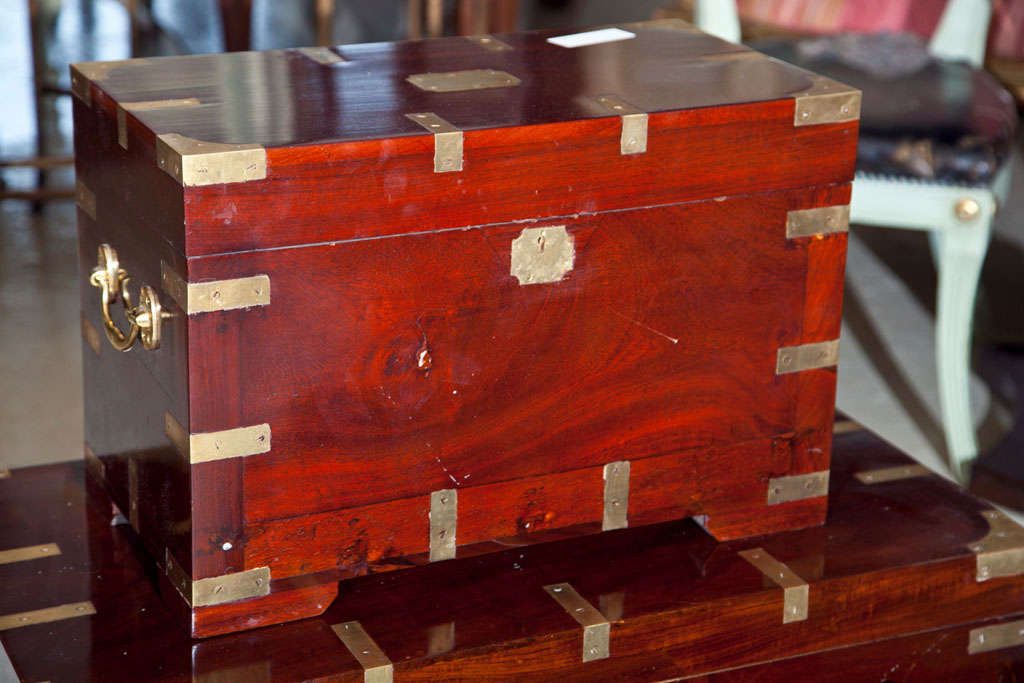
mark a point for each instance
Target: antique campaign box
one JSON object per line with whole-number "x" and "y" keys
{"x": 387, "y": 304}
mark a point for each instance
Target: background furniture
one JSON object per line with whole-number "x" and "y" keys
{"x": 952, "y": 127}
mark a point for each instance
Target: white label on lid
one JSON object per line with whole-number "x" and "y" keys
{"x": 604, "y": 35}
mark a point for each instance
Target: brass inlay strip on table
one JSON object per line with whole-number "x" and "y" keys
{"x": 880, "y": 476}
{"x": 377, "y": 668}
{"x": 596, "y": 628}
{"x": 46, "y": 615}
{"x": 31, "y": 552}
{"x": 444, "y": 515}
{"x": 797, "y": 487}
{"x": 616, "y": 495}
{"x": 796, "y": 592}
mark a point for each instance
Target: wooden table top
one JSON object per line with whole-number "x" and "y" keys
{"x": 894, "y": 559}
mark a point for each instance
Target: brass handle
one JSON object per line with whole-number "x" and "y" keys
{"x": 144, "y": 320}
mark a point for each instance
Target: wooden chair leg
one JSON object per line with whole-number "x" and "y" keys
{"x": 324, "y": 21}
{"x": 236, "y": 18}
{"x": 961, "y": 251}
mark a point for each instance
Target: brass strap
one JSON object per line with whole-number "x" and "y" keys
{"x": 377, "y": 668}
{"x": 221, "y": 445}
{"x": 616, "y": 495}
{"x": 444, "y": 515}
{"x": 596, "y": 629}
{"x": 218, "y": 295}
{"x": 797, "y": 487}
{"x": 85, "y": 199}
{"x": 633, "y": 139}
{"x": 217, "y": 590}
{"x": 997, "y": 637}
{"x": 807, "y": 357}
{"x": 822, "y": 221}
{"x": 447, "y": 141}
{"x": 796, "y": 592}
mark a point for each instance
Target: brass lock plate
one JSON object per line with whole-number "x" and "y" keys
{"x": 542, "y": 255}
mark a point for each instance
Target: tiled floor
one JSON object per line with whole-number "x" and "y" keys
{"x": 886, "y": 380}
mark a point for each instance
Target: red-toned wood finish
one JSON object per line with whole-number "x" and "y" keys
{"x": 398, "y": 356}
{"x": 892, "y": 561}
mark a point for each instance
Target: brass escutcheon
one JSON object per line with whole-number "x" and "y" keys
{"x": 144, "y": 320}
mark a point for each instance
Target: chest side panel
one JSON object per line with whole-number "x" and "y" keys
{"x": 394, "y": 367}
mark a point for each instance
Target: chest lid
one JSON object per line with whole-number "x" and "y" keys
{"x": 310, "y": 145}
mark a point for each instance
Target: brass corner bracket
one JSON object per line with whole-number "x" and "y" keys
{"x": 195, "y": 163}
{"x": 209, "y": 446}
{"x": 217, "y": 295}
{"x": 1001, "y": 552}
{"x": 217, "y": 590}
{"x": 826, "y": 101}
{"x": 124, "y": 107}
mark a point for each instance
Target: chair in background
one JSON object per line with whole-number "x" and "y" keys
{"x": 473, "y": 17}
{"x": 935, "y": 155}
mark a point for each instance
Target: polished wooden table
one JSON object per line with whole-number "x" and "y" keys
{"x": 898, "y": 582}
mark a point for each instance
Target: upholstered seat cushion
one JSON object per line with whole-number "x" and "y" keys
{"x": 922, "y": 117}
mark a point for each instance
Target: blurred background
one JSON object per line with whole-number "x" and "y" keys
{"x": 887, "y": 377}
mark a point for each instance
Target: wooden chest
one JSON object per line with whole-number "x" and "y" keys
{"x": 391, "y": 304}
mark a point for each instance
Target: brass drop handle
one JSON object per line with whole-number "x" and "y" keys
{"x": 144, "y": 320}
